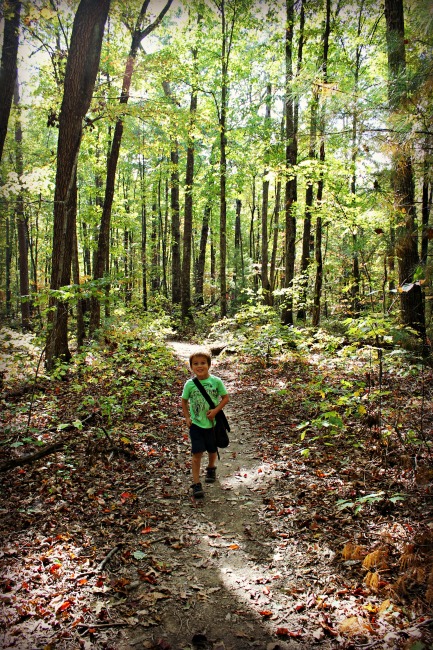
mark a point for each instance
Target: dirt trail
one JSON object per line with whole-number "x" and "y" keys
{"x": 230, "y": 576}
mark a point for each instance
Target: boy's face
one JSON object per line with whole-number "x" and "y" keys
{"x": 200, "y": 367}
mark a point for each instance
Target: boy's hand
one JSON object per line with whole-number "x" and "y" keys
{"x": 188, "y": 421}
{"x": 211, "y": 415}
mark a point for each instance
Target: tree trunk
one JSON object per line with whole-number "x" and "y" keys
{"x": 411, "y": 301}
{"x": 276, "y": 228}
{"x": 76, "y": 278}
{"x": 80, "y": 75}
{"x": 290, "y": 162}
{"x": 143, "y": 236}
{"x": 8, "y": 70}
{"x": 265, "y": 202}
{"x": 239, "y": 262}
{"x": 201, "y": 259}
{"x": 100, "y": 266}
{"x": 188, "y": 215}
{"x": 426, "y": 207}
{"x": 318, "y": 239}
{"x": 23, "y": 247}
{"x": 355, "y": 280}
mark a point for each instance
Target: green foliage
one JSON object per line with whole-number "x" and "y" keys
{"x": 359, "y": 503}
{"x": 256, "y": 330}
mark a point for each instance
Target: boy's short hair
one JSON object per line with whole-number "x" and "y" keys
{"x": 201, "y": 353}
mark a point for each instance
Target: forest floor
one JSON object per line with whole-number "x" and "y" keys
{"x": 103, "y": 546}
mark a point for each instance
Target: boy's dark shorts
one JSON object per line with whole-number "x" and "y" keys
{"x": 202, "y": 439}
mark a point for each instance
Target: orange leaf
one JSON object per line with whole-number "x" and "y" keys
{"x": 83, "y": 581}
{"x": 146, "y": 530}
{"x": 66, "y": 605}
{"x": 234, "y": 546}
{"x": 54, "y": 568}
{"x": 265, "y": 612}
{"x": 282, "y": 631}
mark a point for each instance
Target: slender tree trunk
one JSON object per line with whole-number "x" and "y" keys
{"x": 23, "y": 247}
{"x": 426, "y": 207}
{"x": 100, "y": 266}
{"x": 239, "y": 262}
{"x": 10, "y": 227}
{"x": 176, "y": 286}
{"x": 227, "y": 28}
{"x": 201, "y": 259}
{"x": 276, "y": 220}
{"x": 318, "y": 239}
{"x": 265, "y": 203}
{"x": 81, "y": 333}
{"x": 80, "y": 75}
{"x": 291, "y": 181}
{"x": 143, "y": 236}
{"x": 411, "y": 301}
{"x": 8, "y": 69}
{"x": 355, "y": 281}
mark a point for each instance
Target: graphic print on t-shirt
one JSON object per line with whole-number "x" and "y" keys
{"x": 199, "y": 404}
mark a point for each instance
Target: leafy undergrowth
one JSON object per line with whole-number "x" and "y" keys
{"x": 91, "y": 532}
{"x": 358, "y": 453}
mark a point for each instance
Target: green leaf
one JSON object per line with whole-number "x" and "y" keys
{"x": 139, "y": 555}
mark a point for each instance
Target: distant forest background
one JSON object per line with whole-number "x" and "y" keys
{"x": 193, "y": 159}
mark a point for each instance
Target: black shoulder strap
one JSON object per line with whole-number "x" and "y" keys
{"x": 203, "y": 392}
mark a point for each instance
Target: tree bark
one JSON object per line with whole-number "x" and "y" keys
{"x": 80, "y": 75}
{"x": 23, "y": 246}
{"x": 291, "y": 158}
{"x": 100, "y": 266}
{"x": 411, "y": 301}
{"x": 188, "y": 214}
{"x": 265, "y": 203}
{"x": 276, "y": 228}
{"x": 317, "y": 297}
{"x": 201, "y": 259}
{"x": 8, "y": 70}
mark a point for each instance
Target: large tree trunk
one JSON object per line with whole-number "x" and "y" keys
{"x": 8, "y": 70}
{"x": 411, "y": 302}
{"x": 80, "y": 75}
{"x": 100, "y": 266}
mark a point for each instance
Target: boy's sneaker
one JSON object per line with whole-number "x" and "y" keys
{"x": 197, "y": 491}
{"x": 210, "y": 475}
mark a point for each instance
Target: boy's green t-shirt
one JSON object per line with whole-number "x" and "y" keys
{"x": 198, "y": 405}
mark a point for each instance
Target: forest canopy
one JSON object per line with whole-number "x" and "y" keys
{"x": 194, "y": 157}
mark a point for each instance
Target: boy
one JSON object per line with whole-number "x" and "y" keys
{"x": 199, "y": 417}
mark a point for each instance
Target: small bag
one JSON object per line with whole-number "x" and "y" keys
{"x": 221, "y": 426}
{"x": 221, "y": 429}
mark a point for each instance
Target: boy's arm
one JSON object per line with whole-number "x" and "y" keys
{"x": 212, "y": 413}
{"x": 185, "y": 411}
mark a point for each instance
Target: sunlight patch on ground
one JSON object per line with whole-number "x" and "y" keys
{"x": 18, "y": 354}
{"x": 250, "y": 477}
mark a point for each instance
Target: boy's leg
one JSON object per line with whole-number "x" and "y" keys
{"x": 195, "y": 466}
{"x": 212, "y": 458}
{"x": 211, "y": 468}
